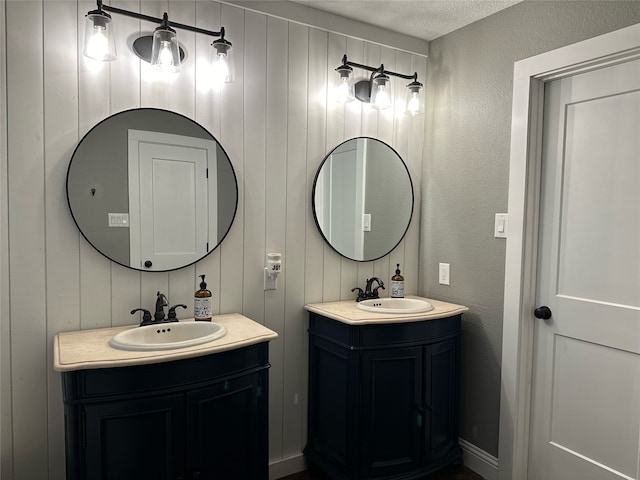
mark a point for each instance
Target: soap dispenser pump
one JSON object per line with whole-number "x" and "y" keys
{"x": 202, "y": 303}
{"x": 397, "y": 284}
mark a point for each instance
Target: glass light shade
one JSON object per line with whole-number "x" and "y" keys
{"x": 98, "y": 37}
{"x": 414, "y": 99}
{"x": 344, "y": 89}
{"x": 165, "y": 53}
{"x": 382, "y": 99}
{"x": 222, "y": 64}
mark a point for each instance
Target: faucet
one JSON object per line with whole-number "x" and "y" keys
{"x": 374, "y": 293}
{"x": 368, "y": 293}
{"x": 161, "y": 302}
{"x": 158, "y": 317}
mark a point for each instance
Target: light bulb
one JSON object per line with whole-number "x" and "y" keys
{"x": 220, "y": 70}
{"x": 165, "y": 58}
{"x": 98, "y": 44}
{"x": 413, "y": 106}
{"x": 343, "y": 92}
{"x": 382, "y": 100}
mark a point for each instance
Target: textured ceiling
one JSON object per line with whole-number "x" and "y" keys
{"x": 424, "y": 19}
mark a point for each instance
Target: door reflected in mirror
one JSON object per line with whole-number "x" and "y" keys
{"x": 363, "y": 199}
{"x": 152, "y": 190}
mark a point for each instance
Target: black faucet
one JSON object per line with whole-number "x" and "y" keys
{"x": 158, "y": 317}
{"x": 374, "y": 293}
{"x": 161, "y": 302}
{"x": 368, "y": 293}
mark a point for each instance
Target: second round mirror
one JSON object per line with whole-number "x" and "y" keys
{"x": 363, "y": 199}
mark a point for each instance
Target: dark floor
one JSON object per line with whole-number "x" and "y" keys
{"x": 451, "y": 473}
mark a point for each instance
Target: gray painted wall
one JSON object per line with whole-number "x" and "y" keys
{"x": 466, "y": 167}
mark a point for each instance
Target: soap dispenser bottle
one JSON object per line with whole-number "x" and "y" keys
{"x": 397, "y": 284}
{"x": 202, "y": 303}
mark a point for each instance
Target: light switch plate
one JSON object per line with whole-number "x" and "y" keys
{"x": 366, "y": 222}
{"x": 500, "y": 225}
{"x": 119, "y": 220}
{"x": 443, "y": 273}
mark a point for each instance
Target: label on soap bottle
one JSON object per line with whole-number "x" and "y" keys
{"x": 397, "y": 289}
{"x": 202, "y": 308}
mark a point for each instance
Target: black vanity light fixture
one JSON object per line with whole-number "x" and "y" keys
{"x": 376, "y": 90}
{"x": 161, "y": 50}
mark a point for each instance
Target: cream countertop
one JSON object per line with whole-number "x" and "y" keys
{"x": 346, "y": 311}
{"x": 87, "y": 349}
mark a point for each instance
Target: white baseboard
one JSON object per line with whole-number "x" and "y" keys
{"x": 478, "y": 460}
{"x": 473, "y": 457}
{"x": 287, "y": 466}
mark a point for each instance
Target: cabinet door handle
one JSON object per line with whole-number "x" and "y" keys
{"x": 419, "y": 416}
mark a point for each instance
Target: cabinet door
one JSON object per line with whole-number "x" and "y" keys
{"x": 135, "y": 439}
{"x": 392, "y": 415}
{"x": 441, "y": 397}
{"x": 330, "y": 418}
{"x": 227, "y": 435}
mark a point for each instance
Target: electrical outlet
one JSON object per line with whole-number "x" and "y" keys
{"x": 443, "y": 273}
{"x": 270, "y": 281}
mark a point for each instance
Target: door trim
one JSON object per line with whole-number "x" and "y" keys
{"x": 530, "y": 75}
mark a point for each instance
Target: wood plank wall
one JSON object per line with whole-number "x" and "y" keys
{"x": 276, "y": 125}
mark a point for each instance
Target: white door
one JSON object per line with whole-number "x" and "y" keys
{"x": 585, "y": 417}
{"x": 346, "y": 223}
{"x": 172, "y": 199}
{"x": 173, "y": 205}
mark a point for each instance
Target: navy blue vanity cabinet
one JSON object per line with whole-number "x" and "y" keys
{"x": 204, "y": 418}
{"x": 383, "y": 398}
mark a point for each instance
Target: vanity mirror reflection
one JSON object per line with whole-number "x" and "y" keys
{"x": 151, "y": 189}
{"x": 363, "y": 199}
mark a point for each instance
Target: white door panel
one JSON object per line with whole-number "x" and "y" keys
{"x": 600, "y": 177}
{"x": 170, "y": 199}
{"x": 173, "y": 205}
{"x": 585, "y": 420}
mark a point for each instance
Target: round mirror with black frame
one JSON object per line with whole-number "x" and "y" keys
{"x": 152, "y": 190}
{"x": 362, "y": 199}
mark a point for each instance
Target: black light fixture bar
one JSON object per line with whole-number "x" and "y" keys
{"x": 373, "y": 90}
{"x": 141, "y": 16}
{"x": 380, "y": 69}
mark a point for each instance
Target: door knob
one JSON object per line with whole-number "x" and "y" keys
{"x": 542, "y": 312}
{"x": 148, "y": 264}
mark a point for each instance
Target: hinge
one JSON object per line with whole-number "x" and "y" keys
{"x": 207, "y": 172}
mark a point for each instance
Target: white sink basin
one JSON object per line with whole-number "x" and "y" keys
{"x": 166, "y": 336}
{"x": 395, "y": 305}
